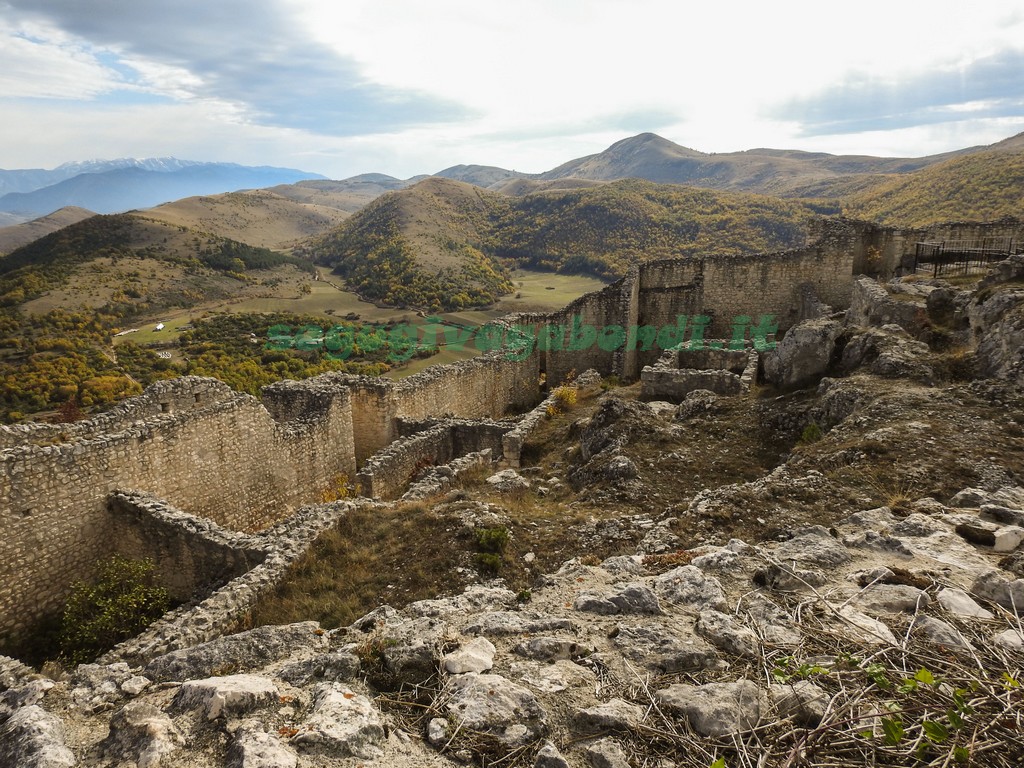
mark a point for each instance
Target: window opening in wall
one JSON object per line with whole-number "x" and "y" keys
{"x": 165, "y": 407}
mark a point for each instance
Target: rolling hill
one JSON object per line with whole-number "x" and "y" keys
{"x": 982, "y": 186}
{"x": 446, "y": 244}
{"x": 17, "y": 235}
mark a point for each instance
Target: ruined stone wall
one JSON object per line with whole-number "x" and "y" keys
{"x": 193, "y": 555}
{"x": 226, "y": 459}
{"x": 387, "y": 474}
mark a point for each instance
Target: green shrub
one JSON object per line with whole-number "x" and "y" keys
{"x": 124, "y": 600}
{"x": 811, "y": 434}
{"x": 492, "y": 540}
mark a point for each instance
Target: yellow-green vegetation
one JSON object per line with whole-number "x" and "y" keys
{"x": 124, "y": 599}
{"x": 602, "y": 230}
{"x": 445, "y": 245}
{"x": 979, "y": 187}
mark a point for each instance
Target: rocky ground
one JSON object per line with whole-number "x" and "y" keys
{"x": 829, "y": 573}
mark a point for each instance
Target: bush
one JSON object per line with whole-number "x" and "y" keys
{"x": 811, "y": 434}
{"x": 124, "y": 600}
{"x": 492, "y": 540}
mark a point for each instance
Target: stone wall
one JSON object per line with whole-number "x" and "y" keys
{"x": 221, "y": 456}
{"x": 193, "y": 555}
{"x": 388, "y": 473}
{"x": 681, "y": 370}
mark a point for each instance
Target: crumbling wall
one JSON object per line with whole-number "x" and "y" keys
{"x": 224, "y": 458}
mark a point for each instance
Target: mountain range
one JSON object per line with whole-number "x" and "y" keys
{"x": 121, "y": 185}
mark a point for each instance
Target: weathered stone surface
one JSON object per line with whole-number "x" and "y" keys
{"x": 246, "y": 650}
{"x": 337, "y": 666}
{"x": 614, "y": 715}
{"x": 549, "y": 757}
{"x": 606, "y": 753}
{"x": 1010, "y": 639}
{"x": 550, "y": 649}
{"x": 629, "y": 599}
{"x": 891, "y": 598}
{"x": 438, "y": 731}
{"x": 803, "y": 355}
{"x": 815, "y": 546}
{"x": 802, "y": 701}
{"x": 97, "y": 687}
{"x": 938, "y": 632}
{"x": 688, "y": 587}
{"x": 959, "y": 603}
{"x": 662, "y": 650}
{"x": 508, "y": 480}
{"x": 33, "y": 738}
{"x": 343, "y": 724}
{"x": 716, "y": 709}
{"x": 991, "y": 585}
{"x": 475, "y": 656}
{"x": 226, "y": 696}
{"x": 868, "y": 629}
{"x": 728, "y": 635}
{"x": 553, "y": 677}
{"x": 787, "y": 578}
{"x": 252, "y": 747}
{"x": 493, "y": 705}
{"x": 504, "y": 623}
{"x": 141, "y": 734}
{"x": 475, "y": 599}
{"x": 775, "y": 626}
{"x": 624, "y": 564}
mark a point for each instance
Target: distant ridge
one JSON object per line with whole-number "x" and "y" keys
{"x": 13, "y": 237}
{"x": 142, "y": 184}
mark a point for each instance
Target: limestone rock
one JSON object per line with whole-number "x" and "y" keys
{"x": 775, "y": 626}
{"x": 803, "y": 355}
{"x": 97, "y": 687}
{"x": 868, "y": 629}
{"x": 493, "y": 705}
{"x": 813, "y": 546}
{"x": 624, "y": 564}
{"x": 246, "y": 650}
{"x": 505, "y": 623}
{"x": 475, "y": 656}
{"x": 508, "y": 480}
{"x": 662, "y": 650}
{"x": 687, "y": 586}
{"x": 1010, "y": 639}
{"x": 550, "y": 649}
{"x": 786, "y": 578}
{"x": 938, "y": 632}
{"x": 716, "y": 709}
{"x": 337, "y": 667}
{"x": 991, "y": 585}
{"x": 630, "y": 599}
{"x": 550, "y": 757}
{"x": 606, "y": 753}
{"x": 613, "y": 715}
{"x": 803, "y": 702}
{"x": 142, "y": 734}
{"x": 251, "y": 747}
{"x": 959, "y": 603}
{"x": 226, "y": 696}
{"x": 343, "y": 724}
{"x": 33, "y": 738}
{"x": 891, "y": 598}
{"x": 727, "y": 634}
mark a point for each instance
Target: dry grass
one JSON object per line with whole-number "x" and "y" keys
{"x": 377, "y": 555}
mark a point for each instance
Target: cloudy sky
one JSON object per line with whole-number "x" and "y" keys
{"x": 403, "y": 87}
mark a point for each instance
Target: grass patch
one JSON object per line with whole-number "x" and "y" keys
{"x": 376, "y": 555}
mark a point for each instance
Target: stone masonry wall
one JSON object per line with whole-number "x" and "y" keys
{"x": 225, "y": 459}
{"x": 193, "y": 555}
